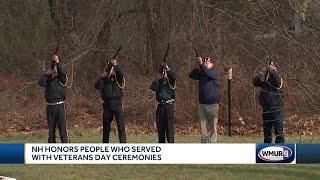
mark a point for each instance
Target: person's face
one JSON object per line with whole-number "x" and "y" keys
{"x": 208, "y": 64}
{"x": 54, "y": 57}
{"x": 272, "y": 67}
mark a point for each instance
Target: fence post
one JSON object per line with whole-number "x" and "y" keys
{"x": 229, "y": 71}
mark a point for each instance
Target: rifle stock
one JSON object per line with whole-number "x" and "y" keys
{"x": 196, "y": 52}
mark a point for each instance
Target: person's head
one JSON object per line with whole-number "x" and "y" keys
{"x": 55, "y": 58}
{"x": 108, "y": 66}
{"x": 163, "y": 63}
{"x": 52, "y": 63}
{"x": 208, "y": 62}
{"x": 161, "y": 74}
{"x": 272, "y": 66}
{"x": 160, "y": 70}
{"x": 162, "y": 67}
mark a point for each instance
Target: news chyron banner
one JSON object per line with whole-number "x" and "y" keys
{"x": 139, "y": 154}
{"x": 159, "y": 153}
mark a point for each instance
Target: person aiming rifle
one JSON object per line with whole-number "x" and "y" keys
{"x": 164, "y": 86}
{"x": 209, "y": 96}
{"x": 272, "y": 102}
{"x": 110, "y": 84}
{"x": 55, "y": 81}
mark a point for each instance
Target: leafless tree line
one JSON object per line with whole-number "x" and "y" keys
{"x": 238, "y": 33}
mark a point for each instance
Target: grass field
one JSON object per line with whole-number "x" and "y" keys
{"x": 300, "y": 171}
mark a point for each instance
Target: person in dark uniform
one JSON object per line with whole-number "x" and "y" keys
{"x": 110, "y": 85}
{"x": 272, "y": 102}
{"x": 164, "y": 86}
{"x": 55, "y": 81}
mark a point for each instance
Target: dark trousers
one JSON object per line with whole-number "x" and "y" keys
{"x": 56, "y": 116}
{"x": 165, "y": 122}
{"x": 110, "y": 111}
{"x": 273, "y": 119}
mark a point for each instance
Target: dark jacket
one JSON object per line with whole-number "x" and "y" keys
{"x": 108, "y": 87}
{"x": 271, "y": 96}
{"x": 55, "y": 87}
{"x": 209, "y": 88}
{"x": 163, "y": 91}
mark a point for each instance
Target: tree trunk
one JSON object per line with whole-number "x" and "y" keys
{"x": 69, "y": 13}
{"x": 54, "y": 17}
{"x": 104, "y": 35}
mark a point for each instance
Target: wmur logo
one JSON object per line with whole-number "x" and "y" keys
{"x": 268, "y": 153}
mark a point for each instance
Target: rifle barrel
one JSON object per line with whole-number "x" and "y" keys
{"x": 116, "y": 54}
{"x": 167, "y": 52}
{"x": 195, "y": 50}
{"x": 57, "y": 47}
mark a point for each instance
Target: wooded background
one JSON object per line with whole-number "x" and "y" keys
{"x": 244, "y": 34}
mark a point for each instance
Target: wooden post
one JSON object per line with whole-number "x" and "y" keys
{"x": 229, "y": 71}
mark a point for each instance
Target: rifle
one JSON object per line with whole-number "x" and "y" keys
{"x": 164, "y": 72}
{"x": 58, "y": 47}
{"x": 116, "y": 54}
{"x": 109, "y": 65}
{"x": 194, "y": 46}
{"x": 164, "y": 59}
{"x": 54, "y": 65}
{"x": 166, "y": 55}
{"x": 196, "y": 52}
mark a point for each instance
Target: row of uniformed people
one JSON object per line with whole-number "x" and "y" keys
{"x": 112, "y": 80}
